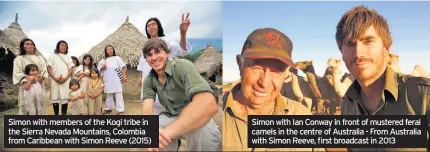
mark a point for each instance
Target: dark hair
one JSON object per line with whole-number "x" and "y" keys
{"x": 106, "y": 55}
{"x": 57, "y": 48}
{"x": 356, "y": 21}
{"x": 73, "y": 82}
{"x": 154, "y": 43}
{"x": 91, "y": 62}
{"x": 22, "y": 48}
{"x": 28, "y": 67}
{"x": 160, "y": 28}
{"x": 76, "y": 60}
{"x": 96, "y": 71}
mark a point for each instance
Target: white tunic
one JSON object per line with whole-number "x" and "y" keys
{"x": 21, "y": 61}
{"x": 34, "y": 98}
{"x": 175, "y": 50}
{"x": 19, "y": 64}
{"x": 60, "y": 68}
{"x": 110, "y": 76}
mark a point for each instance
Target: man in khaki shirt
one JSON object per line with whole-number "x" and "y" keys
{"x": 266, "y": 55}
{"x": 364, "y": 39}
{"x": 187, "y": 97}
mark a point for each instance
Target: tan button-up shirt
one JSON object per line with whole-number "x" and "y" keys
{"x": 235, "y": 128}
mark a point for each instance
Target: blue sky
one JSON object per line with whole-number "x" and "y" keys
{"x": 84, "y": 24}
{"x": 312, "y": 27}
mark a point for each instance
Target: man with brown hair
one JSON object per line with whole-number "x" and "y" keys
{"x": 187, "y": 97}
{"x": 364, "y": 39}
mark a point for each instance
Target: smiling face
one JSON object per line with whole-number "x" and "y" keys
{"x": 29, "y": 47}
{"x": 157, "y": 59}
{"x": 261, "y": 79}
{"x": 152, "y": 28}
{"x": 365, "y": 57}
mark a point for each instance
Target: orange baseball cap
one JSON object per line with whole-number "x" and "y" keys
{"x": 268, "y": 43}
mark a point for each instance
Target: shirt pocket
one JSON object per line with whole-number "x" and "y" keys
{"x": 175, "y": 95}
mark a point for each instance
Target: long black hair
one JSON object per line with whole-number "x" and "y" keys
{"x": 57, "y": 48}
{"x": 22, "y": 48}
{"x": 160, "y": 28}
{"x": 90, "y": 66}
{"x": 106, "y": 55}
{"x": 76, "y": 60}
{"x": 28, "y": 68}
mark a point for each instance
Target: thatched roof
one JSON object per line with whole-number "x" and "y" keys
{"x": 127, "y": 41}
{"x": 210, "y": 62}
{"x": 12, "y": 36}
{"x": 14, "y": 33}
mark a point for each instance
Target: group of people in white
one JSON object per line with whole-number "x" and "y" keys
{"x": 78, "y": 86}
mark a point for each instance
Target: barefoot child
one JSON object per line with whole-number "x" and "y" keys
{"x": 95, "y": 90}
{"x": 34, "y": 92}
{"x": 75, "y": 99}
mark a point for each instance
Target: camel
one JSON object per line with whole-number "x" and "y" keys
{"x": 393, "y": 62}
{"x": 419, "y": 72}
{"x": 296, "y": 88}
{"x": 341, "y": 85}
{"x": 322, "y": 87}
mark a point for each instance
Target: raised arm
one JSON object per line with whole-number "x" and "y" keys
{"x": 202, "y": 107}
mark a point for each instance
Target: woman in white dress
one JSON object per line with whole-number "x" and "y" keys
{"x": 111, "y": 67}
{"x": 60, "y": 68}
{"x": 155, "y": 30}
{"x": 83, "y": 75}
{"x": 28, "y": 56}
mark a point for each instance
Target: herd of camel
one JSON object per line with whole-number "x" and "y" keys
{"x": 324, "y": 94}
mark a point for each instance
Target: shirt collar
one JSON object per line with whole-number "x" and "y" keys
{"x": 390, "y": 88}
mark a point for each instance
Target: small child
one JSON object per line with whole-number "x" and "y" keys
{"x": 95, "y": 89}
{"x": 75, "y": 99}
{"x": 33, "y": 92}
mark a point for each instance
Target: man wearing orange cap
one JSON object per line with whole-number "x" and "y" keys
{"x": 265, "y": 56}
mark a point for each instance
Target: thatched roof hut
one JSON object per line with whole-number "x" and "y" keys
{"x": 14, "y": 33}
{"x": 127, "y": 41}
{"x": 209, "y": 64}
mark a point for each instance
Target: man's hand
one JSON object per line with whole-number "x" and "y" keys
{"x": 164, "y": 141}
